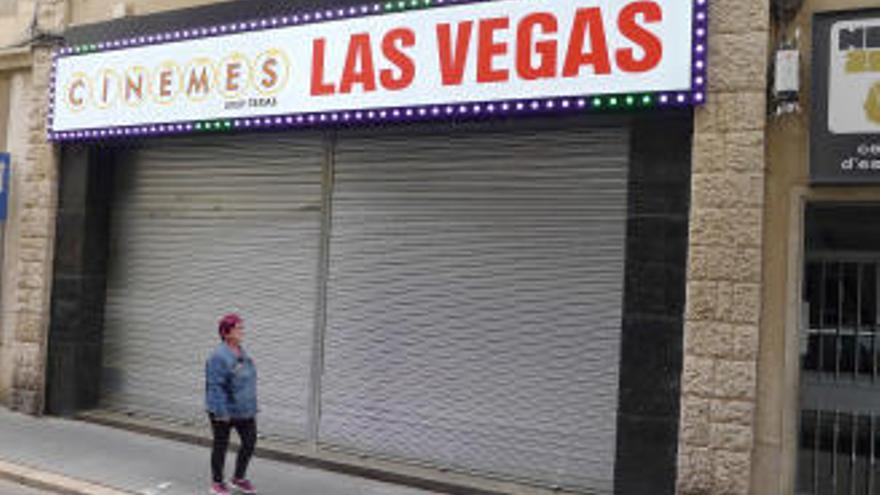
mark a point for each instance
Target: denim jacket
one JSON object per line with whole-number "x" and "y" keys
{"x": 230, "y": 384}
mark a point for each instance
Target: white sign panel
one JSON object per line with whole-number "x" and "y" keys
{"x": 507, "y": 50}
{"x": 854, "y": 77}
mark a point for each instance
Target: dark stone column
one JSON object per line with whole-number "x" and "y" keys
{"x": 654, "y": 302}
{"x": 78, "y": 292}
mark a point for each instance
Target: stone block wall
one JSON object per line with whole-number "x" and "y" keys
{"x": 29, "y": 248}
{"x": 719, "y": 378}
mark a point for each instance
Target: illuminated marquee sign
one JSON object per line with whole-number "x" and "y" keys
{"x": 413, "y": 60}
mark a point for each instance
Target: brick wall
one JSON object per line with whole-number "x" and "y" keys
{"x": 719, "y": 379}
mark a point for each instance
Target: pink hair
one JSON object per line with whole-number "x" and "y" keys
{"x": 227, "y": 323}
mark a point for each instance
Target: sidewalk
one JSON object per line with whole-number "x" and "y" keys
{"x": 146, "y": 465}
{"x": 12, "y": 488}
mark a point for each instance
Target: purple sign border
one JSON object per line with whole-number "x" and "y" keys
{"x": 693, "y": 96}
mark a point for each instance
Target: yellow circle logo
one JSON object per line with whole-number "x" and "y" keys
{"x": 872, "y": 104}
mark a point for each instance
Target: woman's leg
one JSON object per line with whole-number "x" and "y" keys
{"x": 220, "y": 430}
{"x": 247, "y": 431}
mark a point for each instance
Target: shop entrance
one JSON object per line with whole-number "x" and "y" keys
{"x": 839, "y": 439}
{"x": 450, "y": 296}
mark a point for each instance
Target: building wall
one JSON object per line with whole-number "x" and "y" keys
{"x": 8, "y": 78}
{"x": 92, "y": 11}
{"x": 26, "y": 249}
{"x": 29, "y": 244}
{"x": 15, "y": 18}
{"x": 719, "y": 379}
{"x": 787, "y": 191}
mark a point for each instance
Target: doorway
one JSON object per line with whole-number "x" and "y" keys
{"x": 839, "y": 438}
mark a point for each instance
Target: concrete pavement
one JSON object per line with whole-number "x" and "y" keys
{"x": 146, "y": 465}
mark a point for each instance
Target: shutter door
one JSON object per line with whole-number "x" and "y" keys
{"x": 201, "y": 228}
{"x": 474, "y": 302}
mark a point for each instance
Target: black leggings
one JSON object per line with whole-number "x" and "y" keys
{"x": 247, "y": 431}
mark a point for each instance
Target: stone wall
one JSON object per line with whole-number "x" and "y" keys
{"x": 29, "y": 247}
{"x": 719, "y": 379}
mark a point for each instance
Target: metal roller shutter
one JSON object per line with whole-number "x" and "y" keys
{"x": 201, "y": 228}
{"x": 474, "y": 302}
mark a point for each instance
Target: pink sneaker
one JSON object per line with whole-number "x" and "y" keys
{"x": 219, "y": 489}
{"x": 244, "y": 486}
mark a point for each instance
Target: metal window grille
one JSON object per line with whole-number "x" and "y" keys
{"x": 840, "y": 390}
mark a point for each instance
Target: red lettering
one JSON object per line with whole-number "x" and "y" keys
{"x": 319, "y": 87}
{"x": 489, "y": 49}
{"x": 359, "y": 68}
{"x": 546, "y": 50}
{"x": 405, "y": 64}
{"x": 588, "y": 19}
{"x": 650, "y": 43}
{"x": 452, "y": 62}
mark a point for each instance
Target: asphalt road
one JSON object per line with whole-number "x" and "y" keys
{"x": 12, "y": 488}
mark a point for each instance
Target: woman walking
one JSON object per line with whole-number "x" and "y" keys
{"x": 231, "y": 402}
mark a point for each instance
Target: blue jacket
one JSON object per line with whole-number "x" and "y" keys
{"x": 230, "y": 384}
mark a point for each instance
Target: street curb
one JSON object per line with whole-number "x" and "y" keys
{"x": 56, "y": 483}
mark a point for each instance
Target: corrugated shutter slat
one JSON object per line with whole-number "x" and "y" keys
{"x": 204, "y": 227}
{"x": 474, "y": 302}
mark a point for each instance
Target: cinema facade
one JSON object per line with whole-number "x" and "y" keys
{"x": 484, "y": 246}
